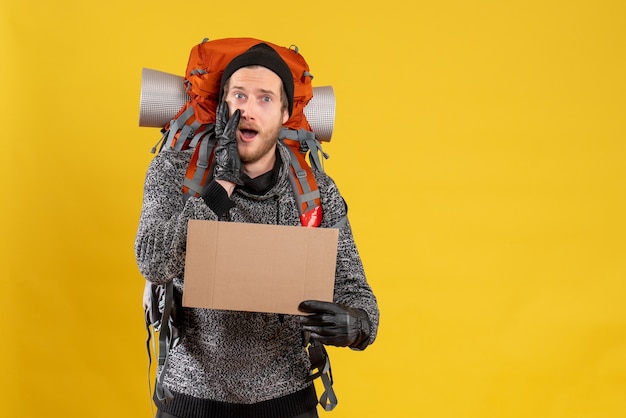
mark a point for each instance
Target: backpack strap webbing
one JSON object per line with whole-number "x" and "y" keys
{"x": 165, "y": 343}
{"x": 198, "y": 170}
{"x": 180, "y": 128}
{"x": 320, "y": 367}
{"x": 307, "y": 141}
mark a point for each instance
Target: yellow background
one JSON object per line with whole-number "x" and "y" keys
{"x": 479, "y": 144}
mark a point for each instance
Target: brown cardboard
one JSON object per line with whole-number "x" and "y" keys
{"x": 258, "y": 268}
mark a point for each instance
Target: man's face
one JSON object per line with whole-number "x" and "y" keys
{"x": 256, "y": 91}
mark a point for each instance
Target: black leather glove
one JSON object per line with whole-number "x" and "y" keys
{"x": 227, "y": 161}
{"x": 335, "y": 324}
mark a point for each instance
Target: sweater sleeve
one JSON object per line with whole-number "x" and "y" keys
{"x": 351, "y": 286}
{"x": 161, "y": 237}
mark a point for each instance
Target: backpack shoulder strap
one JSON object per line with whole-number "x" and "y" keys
{"x": 302, "y": 179}
{"x": 320, "y": 368}
{"x": 198, "y": 171}
{"x": 301, "y": 175}
{"x": 305, "y": 190}
{"x": 159, "y": 307}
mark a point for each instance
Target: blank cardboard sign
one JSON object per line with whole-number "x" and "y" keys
{"x": 258, "y": 268}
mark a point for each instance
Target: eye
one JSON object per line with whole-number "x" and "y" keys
{"x": 239, "y": 96}
{"x": 266, "y": 99}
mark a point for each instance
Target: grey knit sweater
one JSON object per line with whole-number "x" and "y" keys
{"x": 238, "y": 363}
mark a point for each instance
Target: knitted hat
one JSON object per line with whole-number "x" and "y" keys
{"x": 264, "y": 55}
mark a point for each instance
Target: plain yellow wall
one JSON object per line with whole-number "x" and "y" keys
{"x": 480, "y": 145}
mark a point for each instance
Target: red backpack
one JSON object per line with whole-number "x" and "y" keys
{"x": 192, "y": 127}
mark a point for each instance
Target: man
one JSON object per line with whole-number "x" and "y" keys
{"x": 246, "y": 364}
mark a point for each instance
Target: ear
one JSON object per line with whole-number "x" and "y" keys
{"x": 285, "y": 116}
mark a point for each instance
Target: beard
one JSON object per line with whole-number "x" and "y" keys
{"x": 250, "y": 153}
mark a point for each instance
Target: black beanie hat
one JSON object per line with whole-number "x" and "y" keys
{"x": 264, "y": 55}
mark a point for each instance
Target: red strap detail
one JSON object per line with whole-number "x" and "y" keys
{"x": 312, "y": 218}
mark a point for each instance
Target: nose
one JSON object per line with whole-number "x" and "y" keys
{"x": 247, "y": 110}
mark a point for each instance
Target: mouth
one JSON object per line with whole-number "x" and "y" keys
{"x": 247, "y": 135}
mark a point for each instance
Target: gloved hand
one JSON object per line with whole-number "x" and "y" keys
{"x": 227, "y": 161}
{"x": 335, "y": 324}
